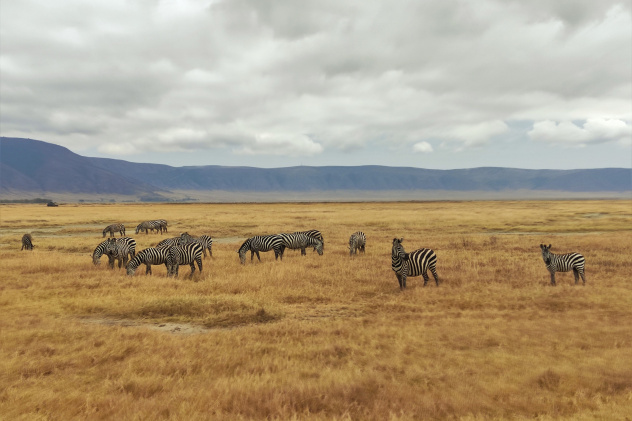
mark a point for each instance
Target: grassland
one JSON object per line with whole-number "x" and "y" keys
{"x": 320, "y": 337}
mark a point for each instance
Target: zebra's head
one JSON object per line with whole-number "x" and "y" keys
{"x": 546, "y": 253}
{"x": 185, "y": 238}
{"x": 139, "y": 228}
{"x": 131, "y": 268}
{"x": 104, "y": 232}
{"x": 242, "y": 251}
{"x": 398, "y": 250}
{"x": 110, "y": 246}
{"x": 319, "y": 247}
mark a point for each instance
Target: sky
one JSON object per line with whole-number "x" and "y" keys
{"x": 432, "y": 84}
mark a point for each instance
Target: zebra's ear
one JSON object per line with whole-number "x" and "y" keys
{"x": 549, "y": 246}
{"x": 542, "y": 246}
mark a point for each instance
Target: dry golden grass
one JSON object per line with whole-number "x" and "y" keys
{"x": 320, "y": 337}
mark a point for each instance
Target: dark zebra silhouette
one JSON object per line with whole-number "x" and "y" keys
{"x": 27, "y": 242}
{"x": 300, "y": 241}
{"x": 203, "y": 240}
{"x": 159, "y": 225}
{"x": 120, "y": 249}
{"x": 261, "y": 243}
{"x": 563, "y": 263}
{"x": 414, "y": 263}
{"x": 120, "y": 228}
{"x": 357, "y": 241}
{"x": 315, "y": 234}
{"x": 185, "y": 254}
{"x": 150, "y": 256}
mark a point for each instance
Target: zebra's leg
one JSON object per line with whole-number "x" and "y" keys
{"x": 404, "y": 281}
{"x": 576, "y": 275}
{"x": 553, "y": 278}
{"x": 204, "y": 251}
{"x": 399, "y": 279}
{"x": 111, "y": 261}
{"x": 192, "y": 270}
{"x": 435, "y": 275}
{"x": 426, "y": 278}
{"x": 199, "y": 263}
{"x": 258, "y": 257}
{"x": 581, "y": 273}
{"x": 148, "y": 269}
{"x": 303, "y": 253}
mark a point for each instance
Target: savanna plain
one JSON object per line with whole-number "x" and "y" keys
{"x": 314, "y": 337}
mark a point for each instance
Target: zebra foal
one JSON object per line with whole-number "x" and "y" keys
{"x": 357, "y": 241}
{"x": 563, "y": 263}
{"x": 414, "y": 263}
{"x": 120, "y": 228}
{"x": 27, "y": 242}
{"x": 261, "y": 243}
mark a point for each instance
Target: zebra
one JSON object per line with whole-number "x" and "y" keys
{"x": 120, "y": 249}
{"x": 301, "y": 241}
{"x": 120, "y": 228}
{"x": 204, "y": 240}
{"x": 185, "y": 254}
{"x": 150, "y": 256}
{"x": 126, "y": 243}
{"x": 563, "y": 263}
{"x": 315, "y": 234}
{"x": 261, "y": 243}
{"x": 27, "y": 242}
{"x": 158, "y": 225}
{"x": 414, "y": 263}
{"x": 357, "y": 241}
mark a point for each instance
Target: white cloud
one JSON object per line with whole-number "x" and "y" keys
{"x": 596, "y": 130}
{"x": 281, "y": 144}
{"x": 422, "y": 147}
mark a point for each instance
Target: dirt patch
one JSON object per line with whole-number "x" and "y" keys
{"x": 174, "y": 328}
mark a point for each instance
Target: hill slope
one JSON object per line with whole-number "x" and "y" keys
{"x": 28, "y": 165}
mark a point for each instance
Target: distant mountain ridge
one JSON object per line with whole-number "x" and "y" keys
{"x": 28, "y": 165}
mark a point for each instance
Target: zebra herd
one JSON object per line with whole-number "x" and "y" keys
{"x": 188, "y": 250}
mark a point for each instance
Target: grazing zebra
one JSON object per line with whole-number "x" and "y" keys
{"x": 204, "y": 240}
{"x": 261, "y": 243}
{"x": 563, "y": 263}
{"x": 27, "y": 242}
{"x": 120, "y": 228}
{"x": 414, "y": 263}
{"x": 120, "y": 249}
{"x": 150, "y": 256}
{"x": 357, "y": 241}
{"x": 315, "y": 234}
{"x": 300, "y": 241}
{"x": 185, "y": 254}
{"x": 158, "y": 225}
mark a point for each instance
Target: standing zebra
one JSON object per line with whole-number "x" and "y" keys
{"x": 150, "y": 256}
{"x": 158, "y": 225}
{"x": 27, "y": 242}
{"x": 169, "y": 242}
{"x": 203, "y": 240}
{"x": 301, "y": 241}
{"x": 414, "y": 263}
{"x": 120, "y": 249}
{"x": 120, "y": 228}
{"x": 261, "y": 243}
{"x": 357, "y": 241}
{"x": 563, "y": 263}
{"x": 185, "y": 254}
{"x": 315, "y": 234}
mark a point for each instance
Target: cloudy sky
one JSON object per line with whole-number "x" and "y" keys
{"x": 432, "y": 83}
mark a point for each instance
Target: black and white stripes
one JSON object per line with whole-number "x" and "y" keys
{"x": 261, "y": 243}
{"x": 563, "y": 263}
{"x": 414, "y": 263}
{"x": 300, "y": 240}
{"x": 27, "y": 242}
{"x": 120, "y": 228}
{"x": 185, "y": 254}
{"x": 357, "y": 241}
{"x": 150, "y": 256}
{"x": 159, "y": 225}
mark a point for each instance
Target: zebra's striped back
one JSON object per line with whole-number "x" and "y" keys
{"x": 150, "y": 256}
{"x": 357, "y": 241}
{"x": 261, "y": 243}
{"x": 185, "y": 254}
{"x": 120, "y": 249}
{"x": 563, "y": 263}
{"x": 159, "y": 225}
{"x": 169, "y": 242}
{"x": 27, "y": 242}
{"x": 314, "y": 234}
{"x": 203, "y": 240}
{"x": 299, "y": 240}
{"x": 414, "y": 263}
{"x": 120, "y": 228}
